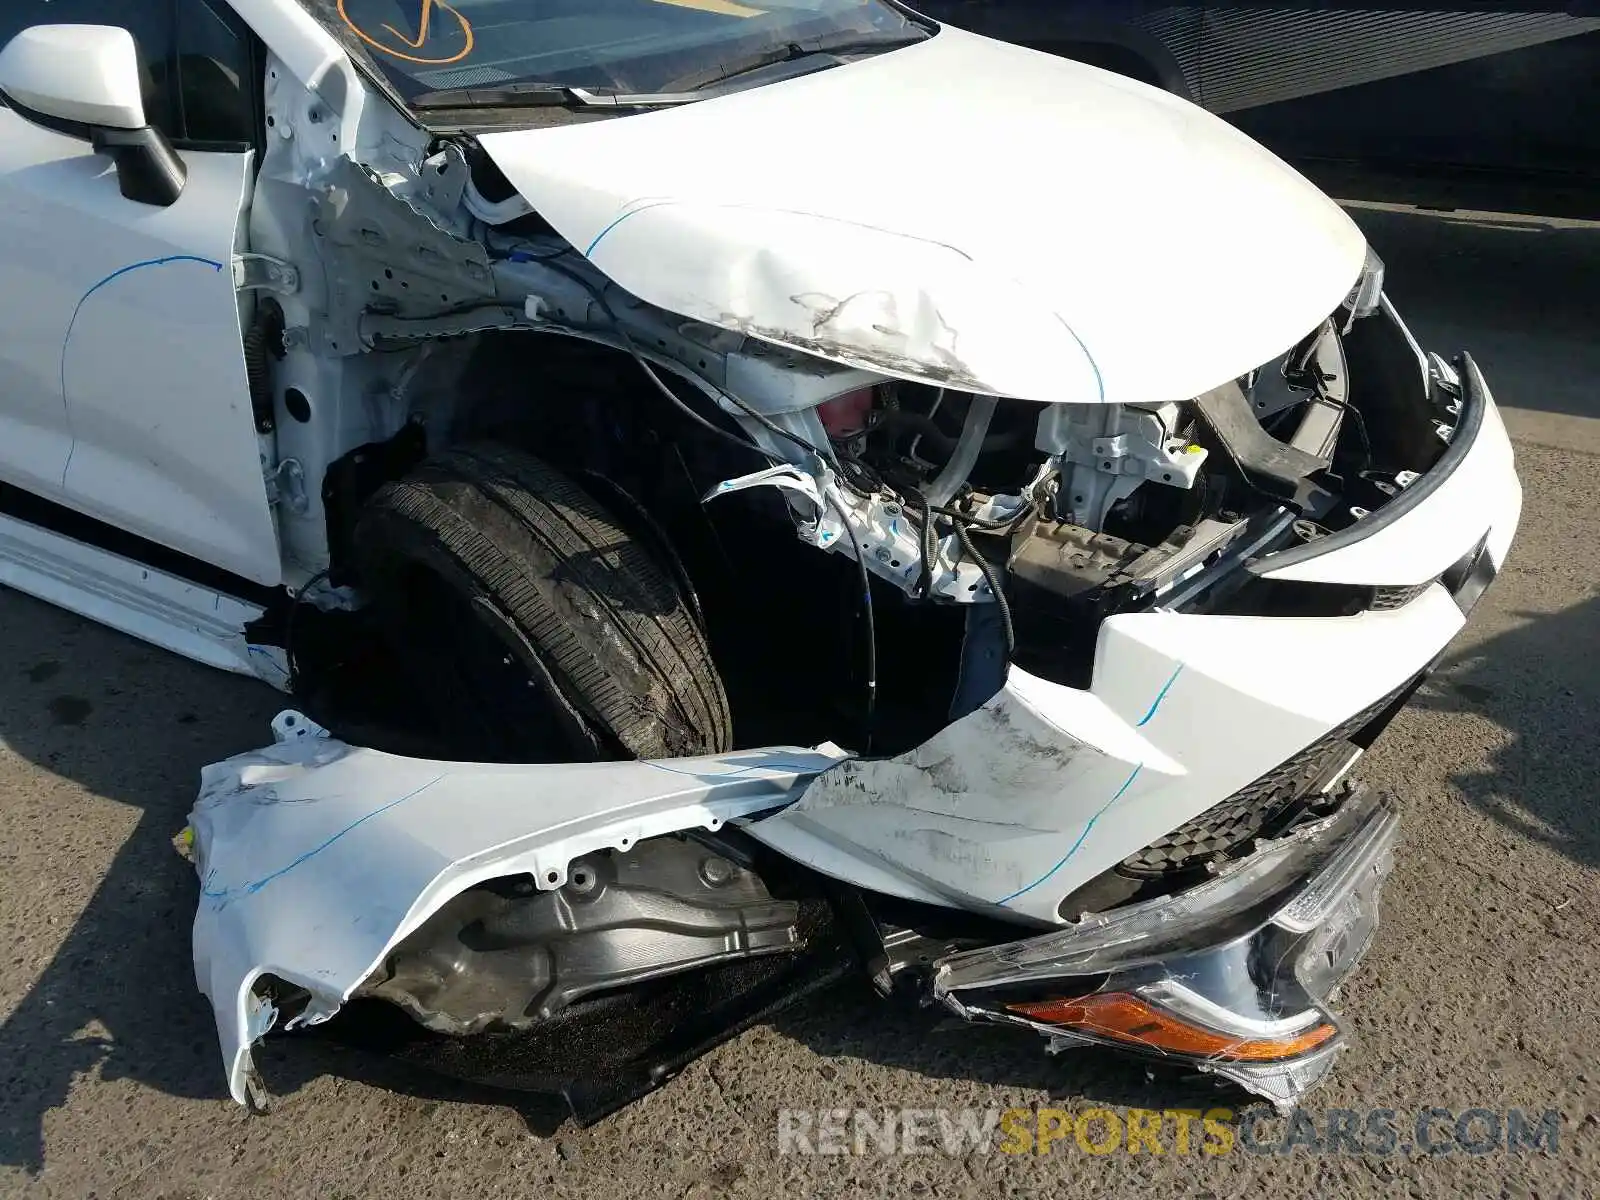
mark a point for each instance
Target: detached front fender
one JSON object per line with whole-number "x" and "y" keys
{"x": 316, "y": 858}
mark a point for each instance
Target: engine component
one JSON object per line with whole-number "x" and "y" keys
{"x": 506, "y": 955}
{"x": 846, "y": 416}
{"x": 1282, "y": 469}
{"x": 966, "y": 451}
{"x": 1067, "y": 559}
{"x": 1064, "y": 581}
{"x": 891, "y": 543}
{"x": 1107, "y": 451}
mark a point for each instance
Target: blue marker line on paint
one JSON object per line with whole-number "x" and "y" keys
{"x": 1101, "y": 811}
{"x": 1126, "y": 784}
{"x": 1161, "y": 695}
{"x": 1099, "y": 382}
{"x": 589, "y": 251}
{"x": 73, "y": 320}
{"x": 222, "y": 895}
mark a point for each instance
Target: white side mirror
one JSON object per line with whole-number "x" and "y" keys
{"x": 87, "y": 74}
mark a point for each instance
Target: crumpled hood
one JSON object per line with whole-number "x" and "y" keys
{"x": 961, "y": 211}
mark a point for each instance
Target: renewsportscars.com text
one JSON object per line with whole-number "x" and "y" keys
{"x": 1381, "y": 1132}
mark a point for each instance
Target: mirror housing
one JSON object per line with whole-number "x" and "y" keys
{"x": 85, "y": 74}
{"x": 88, "y": 76}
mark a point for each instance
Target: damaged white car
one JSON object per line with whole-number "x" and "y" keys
{"x": 742, "y": 493}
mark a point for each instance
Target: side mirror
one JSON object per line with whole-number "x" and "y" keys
{"x": 88, "y": 76}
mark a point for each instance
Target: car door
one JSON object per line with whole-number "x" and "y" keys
{"x": 123, "y": 389}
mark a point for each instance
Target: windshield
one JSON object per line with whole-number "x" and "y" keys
{"x": 626, "y": 45}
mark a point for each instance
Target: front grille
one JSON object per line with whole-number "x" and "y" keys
{"x": 1386, "y": 598}
{"x": 1225, "y": 827}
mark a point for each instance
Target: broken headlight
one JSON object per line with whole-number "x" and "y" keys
{"x": 1233, "y": 976}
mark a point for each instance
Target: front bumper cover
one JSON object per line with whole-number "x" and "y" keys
{"x": 1016, "y": 806}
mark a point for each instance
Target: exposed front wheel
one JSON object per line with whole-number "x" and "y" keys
{"x": 534, "y": 627}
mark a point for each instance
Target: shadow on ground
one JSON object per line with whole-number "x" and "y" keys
{"x": 1540, "y": 681}
{"x": 847, "y": 1021}
{"x": 119, "y": 720}
{"x": 131, "y": 725}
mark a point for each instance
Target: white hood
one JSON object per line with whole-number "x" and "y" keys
{"x": 961, "y": 211}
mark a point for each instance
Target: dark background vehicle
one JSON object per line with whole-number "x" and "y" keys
{"x": 1469, "y": 103}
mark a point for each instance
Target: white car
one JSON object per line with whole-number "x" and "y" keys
{"x": 776, "y": 456}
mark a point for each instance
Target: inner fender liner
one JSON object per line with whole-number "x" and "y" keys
{"x": 610, "y": 1049}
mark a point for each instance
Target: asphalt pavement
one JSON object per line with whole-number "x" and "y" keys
{"x": 1480, "y": 992}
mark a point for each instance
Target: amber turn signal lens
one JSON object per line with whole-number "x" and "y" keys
{"x": 1121, "y": 1017}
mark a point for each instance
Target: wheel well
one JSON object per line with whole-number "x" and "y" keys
{"x": 588, "y": 411}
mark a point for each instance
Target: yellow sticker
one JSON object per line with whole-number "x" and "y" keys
{"x": 726, "y": 8}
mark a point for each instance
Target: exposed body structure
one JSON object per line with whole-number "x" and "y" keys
{"x": 983, "y": 575}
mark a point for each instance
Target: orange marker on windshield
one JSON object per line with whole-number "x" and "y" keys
{"x": 424, "y": 19}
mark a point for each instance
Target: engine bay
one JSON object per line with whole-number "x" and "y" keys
{"x": 957, "y": 531}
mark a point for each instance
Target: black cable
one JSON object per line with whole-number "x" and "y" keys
{"x": 1361, "y": 424}
{"x": 928, "y": 429}
{"x": 288, "y": 631}
{"x": 658, "y": 535}
{"x": 772, "y": 426}
{"x": 859, "y": 477}
{"x": 676, "y": 400}
{"x": 963, "y": 522}
{"x": 987, "y": 524}
{"x": 871, "y": 621}
{"x": 927, "y": 550}
{"x": 927, "y": 544}
{"x": 679, "y": 403}
{"x": 683, "y": 407}
{"x": 992, "y": 576}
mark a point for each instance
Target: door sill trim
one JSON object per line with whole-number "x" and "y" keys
{"x": 201, "y": 624}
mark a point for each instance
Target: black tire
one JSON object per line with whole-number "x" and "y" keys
{"x": 535, "y": 627}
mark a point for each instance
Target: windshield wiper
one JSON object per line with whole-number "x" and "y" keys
{"x": 833, "y": 44}
{"x": 686, "y": 90}
{"x": 545, "y": 95}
